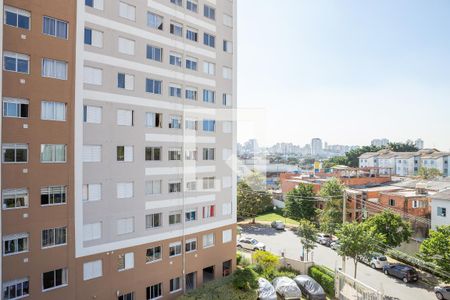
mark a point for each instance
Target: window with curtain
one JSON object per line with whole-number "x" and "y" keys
{"x": 55, "y": 27}
{"x": 56, "y": 69}
{"x": 53, "y": 111}
{"x": 53, "y": 153}
{"x": 15, "y": 108}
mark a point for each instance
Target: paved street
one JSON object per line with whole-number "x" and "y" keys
{"x": 287, "y": 241}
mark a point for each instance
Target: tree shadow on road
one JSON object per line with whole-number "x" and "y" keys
{"x": 259, "y": 229}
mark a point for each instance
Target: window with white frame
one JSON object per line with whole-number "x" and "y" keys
{"x": 125, "y": 81}
{"x": 15, "y": 153}
{"x": 53, "y": 111}
{"x": 15, "y": 107}
{"x": 53, "y": 237}
{"x": 153, "y": 86}
{"x": 93, "y": 37}
{"x": 209, "y": 40}
{"x": 125, "y": 225}
{"x": 227, "y": 72}
{"x": 209, "y": 96}
{"x": 53, "y": 153}
{"x": 125, "y": 261}
{"x": 191, "y": 63}
{"x": 190, "y": 215}
{"x": 92, "y": 114}
{"x": 155, "y": 21}
{"x": 175, "y": 187}
{"x": 15, "y": 243}
{"x": 92, "y": 153}
{"x": 227, "y": 46}
{"x": 226, "y": 99}
{"x": 153, "y": 254}
{"x": 55, "y": 27}
{"x": 124, "y": 117}
{"x": 175, "y": 285}
{"x": 125, "y": 153}
{"x": 92, "y": 75}
{"x": 17, "y": 17}
{"x": 154, "y": 291}
{"x": 192, "y": 5}
{"x": 52, "y": 68}
{"x": 190, "y": 154}
{"x": 209, "y": 211}
{"x": 152, "y": 153}
{"x": 226, "y": 209}
{"x": 15, "y": 198}
{"x": 227, "y": 236}
{"x": 92, "y": 231}
{"x": 92, "y": 192}
{"x": 154, "y": 53}
{"x": 190, "y": 124}
{"x": 191, "y": 93}
{"x": 53, "y": 195}
{"x": 177, "y": 2}
{"x": 208, "y": 240}
{"x": 97, "y": 4}
{"x": 209, "y": 153}
{"x": 208, "y": 183}
{"x": 54, "y": 279}
{"x": 209, "y": 125}
{"x": 191, "y": 185}
{"x": 153, "y": 220}
{"x": 441, "y": 211}
{"x": 228, "y": 20}
{"x": 127, "y": 296}
{"x": 192, "y": 34}
{"x": 174, "y": 154}
{"x": 92, "y": 269}
{"x": 127, "y": 11}
{"x": 176, "y": 29}
{"x": 174, "y": 249}
{"x": 16, "y": 62}
{"x": 126, "y": 46}
{"x": 153, "y": 120}
{"x": 16, "y": 289}
{"x": 209, "y": 12}
{"x": 209, "y": 68}
{"x": 124, "y": 190}
{"x": 175, "y": 217}
{"x": 175, "y": 122}
{"x": 175, "y": 59}
{"x": 191, "y": 245}
{"x": 175, "y": 90}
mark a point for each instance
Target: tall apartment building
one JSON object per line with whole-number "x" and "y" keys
{"x": 118, "y": 138}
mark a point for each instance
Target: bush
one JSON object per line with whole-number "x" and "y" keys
{"x": 238, "y": 258}
{"x": 324, "y": 277}
{"x": 245, "y": 279}
{"x": 266, "y": 263}
{"x": 284, "y": 271}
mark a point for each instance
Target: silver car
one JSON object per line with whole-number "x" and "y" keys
{"x": 375, "y": 260}
{"x": 250, "y": 244}
{"x": 324, "y": 239}
{"x": 442, "y": 292}
{"x": 278, "y": 225}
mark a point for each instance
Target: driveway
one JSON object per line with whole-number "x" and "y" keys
{"x": 289, "y": 243}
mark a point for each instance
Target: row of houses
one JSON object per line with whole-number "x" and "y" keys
{"x": 406, "y": 163}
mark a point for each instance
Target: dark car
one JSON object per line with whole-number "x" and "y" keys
{"x": 403, "y": 272}
{"x": 310, "y": 288}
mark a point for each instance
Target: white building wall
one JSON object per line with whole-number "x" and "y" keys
{"x": 439, "y": 220}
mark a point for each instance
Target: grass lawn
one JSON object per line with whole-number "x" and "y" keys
{"x": 273, "y": 216}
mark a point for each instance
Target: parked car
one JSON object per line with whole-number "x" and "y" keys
{"x": 403, "y": 272}
{"x": 323, "y": 238}
{"x": 310, "y": 288}
{"x": 335, "y": 245}
{"x": 375, "y": 260}
{"x": 266, "y": 291}
{"x": 278, "y": 225}
{"x": 286, "y": 288}
{"x": 250, "y": 244}
{"x": 442, "y": 292}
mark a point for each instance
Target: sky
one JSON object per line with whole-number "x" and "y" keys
{"x": 346, "y": 71}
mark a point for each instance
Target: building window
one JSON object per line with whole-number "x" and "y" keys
{"x": 53, "y": 195}
{"x": 391, "y": 202}
{"x": 192, "y": 34}
{"x": 97, "y": 4}
{"x": 191, "y": 63}
{"x": 175, "y": 154}
{"x": 228, "y": 20}
{"x": 53, "y": 279}
{"x": 55, "y": 69}
{"x": 153, "y": 254}
{"x": 15, "y": 198}
{"x": 128, "y": 296}
{"x": 92, "y": 75}
{"x": 190, "y": 154}
{"x": 192, "y": 5}
{"x": 53, "y": 153}
{"x": 125, "y": 81}
{"x": 209, "y": 96}
{"x": 190, "y": 124}
{"x": 191, "y": 185}
{"x": 191, "y": 245}
{"x": 92, "y": 114}
{"x": 209, "y": 68}
{"x": 54, "y": 27}
{"x": 16, "y": 62}
{"x": 175, "y": 284}
{"x": 16, "y": 289}
{"x": 152, "y": 153}
{"x": 92, "y": 153}
{"x": 191, "y": 215}
{"x": 15, "y": 153}
{"x": 53, "y": 111}
{"x": 227, "y": 73}
{"x": 175, "y": 249}
{"x": 153, "y": 86}
{"x": 154, "y": 53}
{"x": 92, "y": 269}
{"x": 226, "y": 99}
{"x": 175, "y": 122}
{"x": 154, "y": 291}
{"x": 93, "y": 37}
{"x": 209, "y": 40}
{"x": 208, "y": 183}
{"x": 227, "y": 46}
{"x": 175, "y": 90}
{"x": 17, "y": 17}
{"x": 175, "y": 59}
{"x": 209, "y": 12}
{"x": 174, "y": 218}
{"x": 54, "y": 237}
{"x": 208, "y": 211}
{"x": 154, "y": 21}
{"x": 125, "y": 225}
{"x": 227, "y": 236}
{"x": 191, "y": 94}
{"x": 126, "y": 46}
{"x": 174, "y": 187}
{"x": 208, "y": 153}
{"x": 15, "y": 108}
{"x": 227, "y": 208}
{"x": 176, "y": 29}
{"x": 125, "y": 153}
{"x": 153, "y": 220}
{"x": 209, "y": 125}
{"x": 92, "y": 192}
{"x": 153, "y": 187}
{"x": 92, "y": 231}
{"x": 127, "y": 11}
{"x": 153, "y": 120}
{"x": 442, "y": 211}
{"x": 177, "y": 2}
{"x": 208, "y": 240}
{"x": 124, "y": 117}
{"x": 125, "y": 261}
{"x": 15, "y": 244}
{"x": 124, "y": 190}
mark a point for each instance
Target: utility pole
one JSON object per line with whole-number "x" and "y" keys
{"x": 344, "y": 219}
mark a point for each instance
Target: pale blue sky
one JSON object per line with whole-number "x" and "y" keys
{"x": 346, "y": 70}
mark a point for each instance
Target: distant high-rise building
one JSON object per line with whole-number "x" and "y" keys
{"x": 316, "y": 146}
{"x": 380, "y": 142}
{"x": 419, "y": 143}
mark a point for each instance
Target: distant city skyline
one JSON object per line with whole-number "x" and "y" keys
{"x": 347, "y": 71}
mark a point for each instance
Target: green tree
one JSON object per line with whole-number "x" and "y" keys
{"x": 256, "y": 181}
{"x": 245, "y": 279}
{"x": 402, "y": 147}
{"x": 392, "y": 226}
{"x": 250, "y": 203}
{"x": 334, "y": 161}
{"x": 299, "y": 203}
{"x": 436, "y": 249}
{"x": 428, "y": 173}
{"x": 308, "y": 236}
{"x": 353, "y": 155}
{"x": 330, "y": 218}
{"x": 357, "y": 242}
{"x": 266, "y": 263}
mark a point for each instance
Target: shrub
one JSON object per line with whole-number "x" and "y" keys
{"x": 324, "y": 277}
{"x": 245, "y": 279}
{"x": 238, "y": 258}
{"x": 266, "y": 263}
